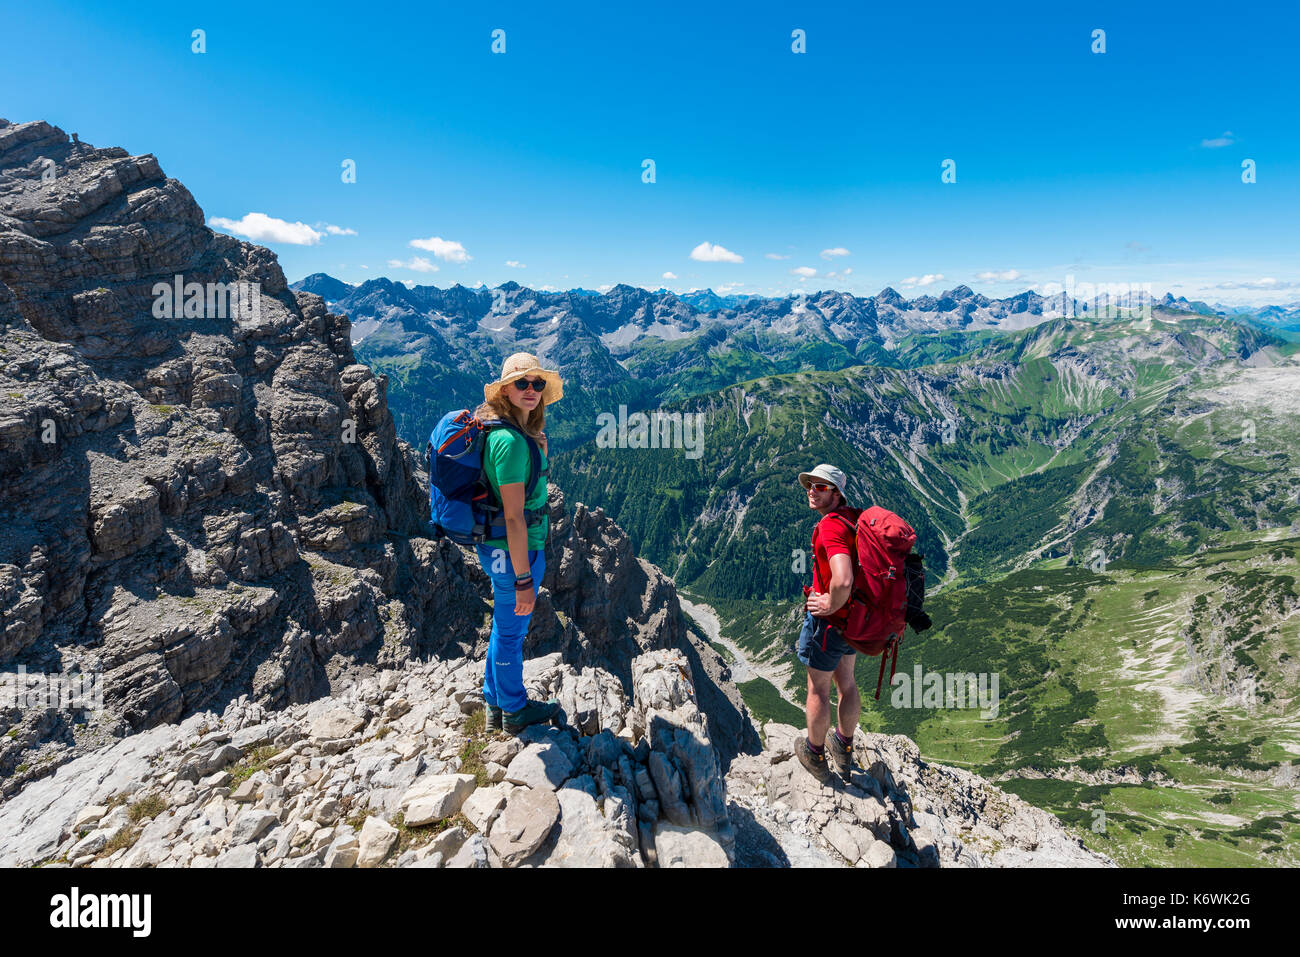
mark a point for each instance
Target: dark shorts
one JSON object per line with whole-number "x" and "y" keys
{"x": 812, "y": 636}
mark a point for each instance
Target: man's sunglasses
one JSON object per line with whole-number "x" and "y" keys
{"x": 819, "y": 487}
{"x": 537, "y": 385}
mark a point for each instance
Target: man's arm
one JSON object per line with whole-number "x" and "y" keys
{"x": 841, "y": 585}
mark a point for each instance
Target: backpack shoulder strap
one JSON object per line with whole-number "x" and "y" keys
{"x": 534, "y": 466}
{"x": 856, "y": 594}
{"x": 535, "y": 470}
{"x": 853, "y": 528}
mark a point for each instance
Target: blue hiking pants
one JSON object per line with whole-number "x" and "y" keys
{"x": 503, "y": 674}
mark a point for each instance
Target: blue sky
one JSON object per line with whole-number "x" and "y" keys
{"x": 1123, "y": 166}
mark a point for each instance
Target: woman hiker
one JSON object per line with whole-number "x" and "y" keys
{"x": 516, "y": 563}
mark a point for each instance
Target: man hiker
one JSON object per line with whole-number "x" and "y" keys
{"x": 821, "y": 643}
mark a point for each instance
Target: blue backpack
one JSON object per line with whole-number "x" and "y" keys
{"x": 461, "y": 504}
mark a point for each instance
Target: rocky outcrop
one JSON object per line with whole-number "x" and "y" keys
{"x": 607, "y": 606}
{"x": 896, "y": 810}
{"x": 395, "y": 771}
{"x": 196, "y": 506}
{"x": 389, "y": 772}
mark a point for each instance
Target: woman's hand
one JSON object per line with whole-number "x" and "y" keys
{"x": 525, "y": 598}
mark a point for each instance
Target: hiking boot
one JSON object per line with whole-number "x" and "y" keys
{"x": 492, "y": 719}
{"x": 841, "y": 755}
{"x": 534, "y": 712}
{"x": 815, "y": 763}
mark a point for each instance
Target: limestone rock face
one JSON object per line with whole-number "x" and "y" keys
{"x": 194, "y": 505}
{"x": 682, "y": 847}
{"x": 435, "y": 797}
{"x": 525, "y": 824}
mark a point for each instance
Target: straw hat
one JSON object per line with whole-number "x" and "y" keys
{"x": 524, "y": 365}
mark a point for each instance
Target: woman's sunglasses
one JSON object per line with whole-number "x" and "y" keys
{"x": 537, "y": 385}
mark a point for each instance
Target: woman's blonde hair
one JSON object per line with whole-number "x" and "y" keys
{"x": 499, "y": 407}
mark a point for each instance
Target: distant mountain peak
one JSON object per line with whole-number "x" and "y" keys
{"x": 323, "y": 285}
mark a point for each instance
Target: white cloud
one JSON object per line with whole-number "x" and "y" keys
{"x": 841, "y": 275}
{"x": 709, "y": 253}
{"x": 775, "y": 256}
{"x": 1266, "y": 284}
{"x": 993, "y": 275}
{"x": 669, "y": 275}
{"x": 805, "y": 271}
{"x": 832, "y": 253}
{"x": 264, "y": 228}
{"x": 446, "y": 249}
{"x": 1225, "y": 140}
{"x": 418, "y": 263}
{"x": 927, "y": 279}
{"x": 515, "y": 264}
{"x": 726, "y": 287}
{"x": 336, "y": 230}
{"x": 606, "y": 287}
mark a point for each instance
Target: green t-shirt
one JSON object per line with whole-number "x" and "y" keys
{"x": 506, "y": 461}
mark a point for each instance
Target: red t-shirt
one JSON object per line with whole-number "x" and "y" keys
{"x": 834, "y": 535}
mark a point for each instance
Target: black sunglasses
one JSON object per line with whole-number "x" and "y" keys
{"x": 537, "y": 385}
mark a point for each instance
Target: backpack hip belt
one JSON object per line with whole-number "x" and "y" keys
{"x": 532, "y": 518}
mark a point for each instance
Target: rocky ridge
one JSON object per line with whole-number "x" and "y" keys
{"x": 395, "y": 771}
{"x": 897, "y": 810}
{"x": 392, "y": 771}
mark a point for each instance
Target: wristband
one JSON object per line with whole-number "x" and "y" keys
{"x": 524, "y": 583}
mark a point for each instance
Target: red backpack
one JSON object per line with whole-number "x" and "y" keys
{"x": 888, "y": 587}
